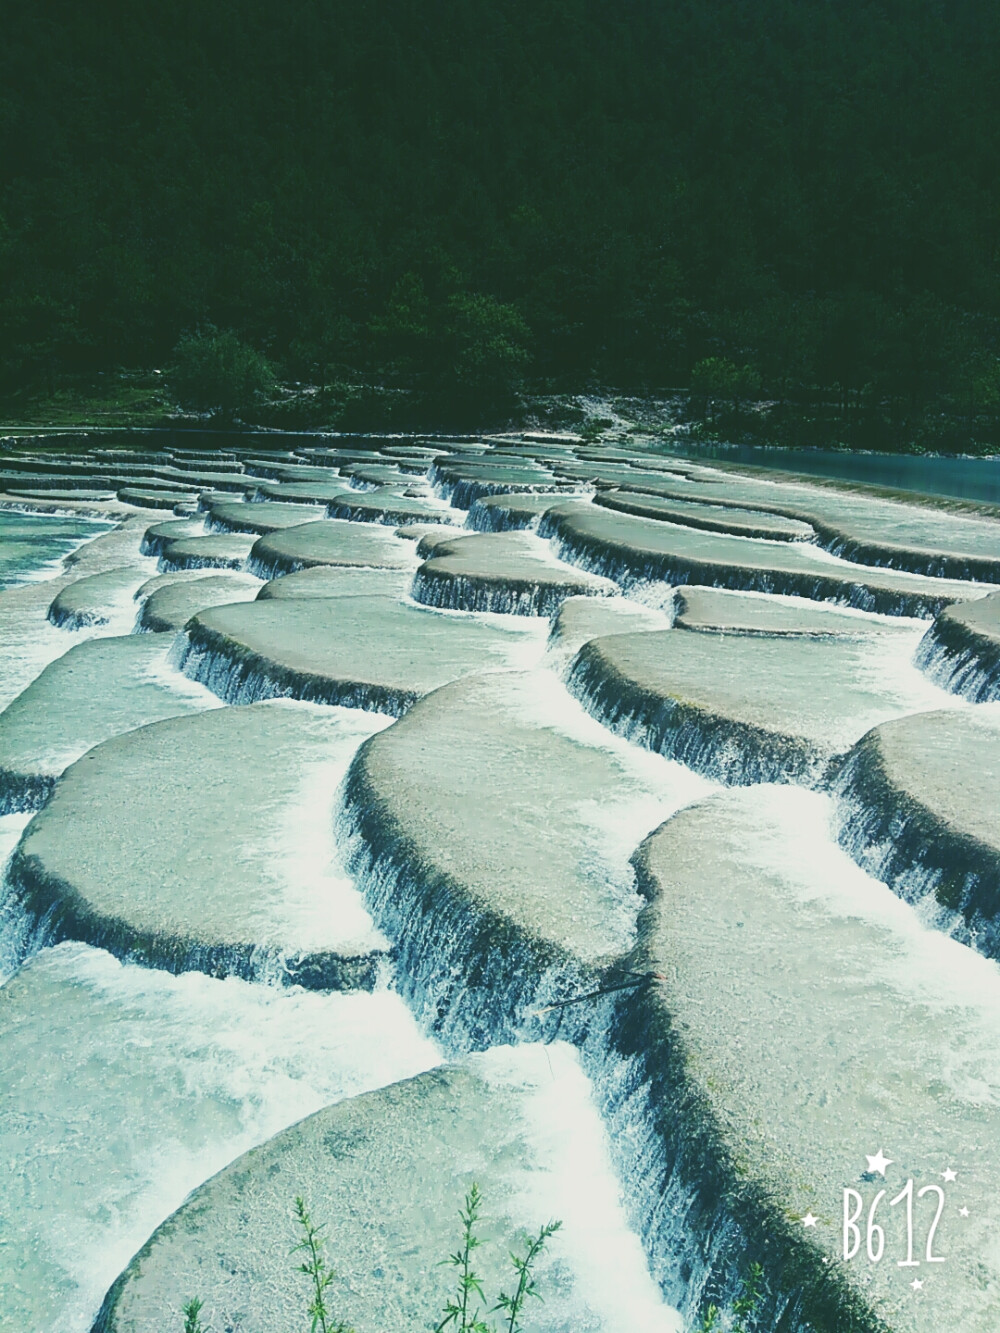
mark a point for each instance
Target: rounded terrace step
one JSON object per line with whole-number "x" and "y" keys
{"x": 746, "y": 709}
{"x": 125, "y": 1087}
{"x": 961, "y": 650}
{"x": 857, "y": 522}
{"x": 582, "y": 618}
{"x": 512, "y": 572}
{"x": 98, "y": 689}
{"x": 151, "y": 498}
{"x": 338, "y": 581}
{"x": 385, "y": 1173}
{"x": 259, "y": 518}
{"x": 328, "y": 542}
{"x": 167, "y": 609}
{"x": 366, "y": 652}
{"x": 718, "y": 611}
{"x": 630, "y": 549}
{"x": 494, "y": 824}
{"x": 385, "y": 507}
{"x": 203, "y": 843}
{"x": 711, "y": 518}
{"x": 501, "y": 513}
{"x": 227, "y": 550}
{"x": 918, "y": 808}
{"x": 159, "y": 536}
{"x": 94, "y": 599}
{"x": 803, "y": 1021}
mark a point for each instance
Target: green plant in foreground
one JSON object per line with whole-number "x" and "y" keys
{"x": 320, "y": 1274}
{"x": 191, "y": 1311}
{"x": 457, "y": 1311}
{"x": 709, "y": 1320}
{"x": 750, "y": 1297}
{"x": 513, "y": 1305}
{"x": 464, "y": 1313}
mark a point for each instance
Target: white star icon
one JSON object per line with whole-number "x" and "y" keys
{"x": 809, "y": 1220}
{"x": 963, "y": 1212}
{"x": 948, "y": 1174}
{"x": 879, "y": 1162}
{"x": 917, "y": 1285}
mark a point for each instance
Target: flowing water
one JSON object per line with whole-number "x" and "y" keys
{"x": 32, "y": 546}
{"x": 125, "y": 1086}
{"x": 483, "y": 852}
{"x": 935, "y": 474}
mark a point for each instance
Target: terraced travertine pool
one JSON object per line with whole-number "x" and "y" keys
{"x": 382, "y": 816}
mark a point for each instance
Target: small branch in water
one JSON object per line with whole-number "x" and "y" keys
{"x": 635, "y": 981}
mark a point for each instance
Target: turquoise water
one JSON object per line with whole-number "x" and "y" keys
{"x": 29, "y": 542}
{"x": 934, "y": 474}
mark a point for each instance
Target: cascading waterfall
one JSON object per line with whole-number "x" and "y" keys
{"x": 238, "y": 676}
{"x": 725, "y": 749}
{"x": 628, "y": 568}
{"x": 474, "y": 981}
{"x": 956, "y": 658}
{"x": 450, "y": 592}
{"x": 952, "y": 880}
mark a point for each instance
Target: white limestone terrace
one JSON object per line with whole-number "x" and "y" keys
{"x": 98, "y": 689}
{"x": 509, "y": 572}
{"x": 917, "y": 805}
{"x": 742, "y": 522}
{"x": 261, "y": 518}
{"x": 750, "y": 708}
{"x": 493, "y": 826}
{"x": 389, "y": 505}
{"x": 375, "y": 653}
{"x": 580, "y": 619}
{"x": 309, "y": 492}
{"x": 125, "y": 1088}
{"x": 328, "y": 542}
{"x": 222, "y": 858}
{"x": 388, "y": 1167}
{"x": 512, "y": 509}
{"x": 719, "y": 611}
{"x": 462, "y": 480}
{"x": 631, "y": 550}
{"x": 94, "y": 599}
{"x": 222, "y": 550}
{"x": 867, "y": 527}
{"x": 158, "y": 536}
{"x": 29, "y": 641}
{"x": 804, "y": 1019}
{"x": 339, "y": 581}
{"x": 489, "y": 831}
{"x": 961, "y": 650}
{"x": 167, "y": 607}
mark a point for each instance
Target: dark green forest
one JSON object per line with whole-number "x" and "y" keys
{"x": 468, "y": 191}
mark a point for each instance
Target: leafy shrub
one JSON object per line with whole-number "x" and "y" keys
{"x": 215, "y": 371}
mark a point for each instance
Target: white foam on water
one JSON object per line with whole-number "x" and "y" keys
{"x": 655, "y": 595}
{"x": 835, "y": 609}
{"x": 320, "y": 901}
{"x": 525, "y": 641}
{"x": 28, "y": 640}
{"x": 163, "y": 673}
{"x": 12, "y": 918}
{"x": 934, "y": 971}
{"x": 159, "y": 1082}
{"x": 572, "y": 1179}
{"x": 613, "y": 826}
{"x": 546, "y": 702}
{"x": 57, "y": 564}
{"x": 886, "y": 666}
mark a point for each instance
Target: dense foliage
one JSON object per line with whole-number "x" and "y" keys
{"x": 806, "y": 190}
